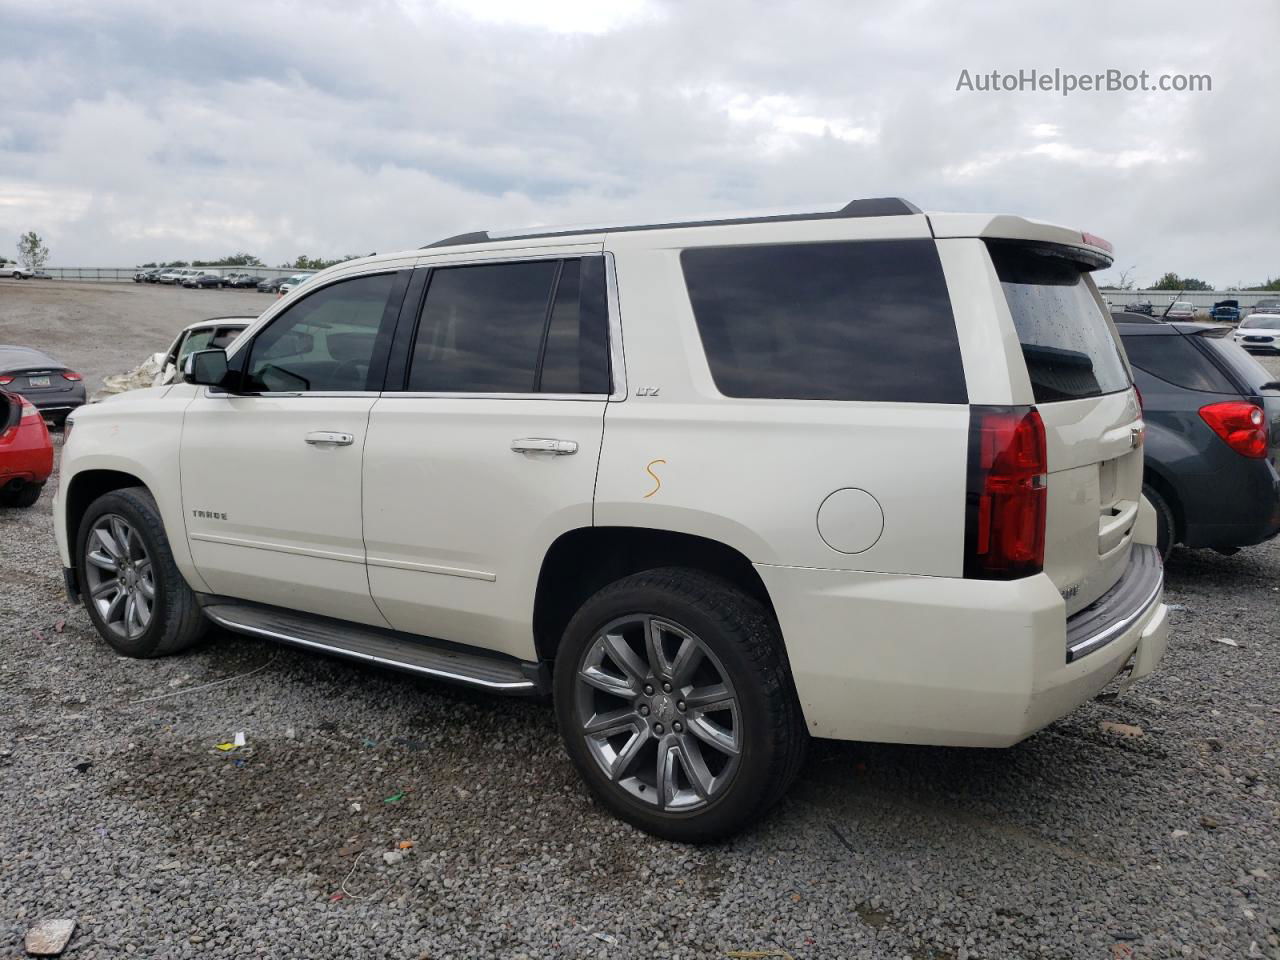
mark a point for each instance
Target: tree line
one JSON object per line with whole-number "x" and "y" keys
{"x": 302, "y": 262}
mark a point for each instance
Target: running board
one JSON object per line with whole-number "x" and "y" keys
{"x": 387, "y": 648}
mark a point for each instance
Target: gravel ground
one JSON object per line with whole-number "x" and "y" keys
{"x": 1075, "y": 844}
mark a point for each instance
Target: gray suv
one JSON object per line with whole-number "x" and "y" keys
{"x": 1213, "y": 435}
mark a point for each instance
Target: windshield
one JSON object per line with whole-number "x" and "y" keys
{"x": 1066, "y": 340}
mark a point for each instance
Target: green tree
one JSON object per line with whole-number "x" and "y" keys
{"x": 31, "y": 251}
{"x": 1271, "y": 286}
{"x": 316, "y": 263}
{"x": 1171, "y": 281}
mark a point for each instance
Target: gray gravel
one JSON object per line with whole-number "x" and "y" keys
{"x": 1074, "y": 844}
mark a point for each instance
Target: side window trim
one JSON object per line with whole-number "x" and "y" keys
{"x": 405, "y": 337}
{"x": 382, "y": 342}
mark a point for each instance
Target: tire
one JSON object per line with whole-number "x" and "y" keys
{"x": 173, "y": 619}
{"x": 24, "y": 496}
{"x": 1166, "y": 526}
{"x": 738, "y": 645}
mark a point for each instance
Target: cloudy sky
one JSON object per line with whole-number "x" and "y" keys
{"x": 133, "y": 131}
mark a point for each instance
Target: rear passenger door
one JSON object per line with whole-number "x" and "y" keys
{"x": 483, "y": 449}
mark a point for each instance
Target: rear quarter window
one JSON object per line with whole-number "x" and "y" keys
{"x": 1176, "y": 360}
{"x": 1066, "y": 340}
{"x": 863, "y": 320}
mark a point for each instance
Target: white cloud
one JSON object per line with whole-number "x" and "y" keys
{"x": 129, "y": 134}
{"x": 555, "y": 16}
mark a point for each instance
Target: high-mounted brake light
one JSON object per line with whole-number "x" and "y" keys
{"x": 72, "y": 376}
{"x": 1242, "y": 426}
{"x": 1094, "y": 240}
{"x": 1006, "y": 499}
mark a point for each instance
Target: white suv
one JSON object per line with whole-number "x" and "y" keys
{"x": 715, "y": 486}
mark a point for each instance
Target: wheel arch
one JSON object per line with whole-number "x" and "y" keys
{"x": 583, "y": 560}
{"x": 1155, "y": 478}
{"x": 86, "y": 487}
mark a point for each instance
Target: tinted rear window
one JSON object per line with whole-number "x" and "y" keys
{"x": 1176, "y": 360}
{"x": 864, "y": 321}
{"x": 1066, "y": 340}
{"x": 1241, "y": 363}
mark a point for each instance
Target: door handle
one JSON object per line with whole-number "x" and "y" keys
{"x": 330, "y": 437}
{"x": 558, "y": 448}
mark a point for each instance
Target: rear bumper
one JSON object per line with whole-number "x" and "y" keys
{"x": 953, "y": 662}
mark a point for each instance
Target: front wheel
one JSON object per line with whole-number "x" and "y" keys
{"x": 133, "y": 591}
{"x": 676, "y": 704}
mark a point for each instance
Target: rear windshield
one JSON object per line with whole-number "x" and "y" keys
{"x": 1066, "y": 340}
{"x": 862, "y": 320}
{"x": 1175, "y": 359}
{"x": 1241, "y": 363}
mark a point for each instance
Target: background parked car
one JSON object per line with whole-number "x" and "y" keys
{"x": 1180, "y": 310}
{"x": 1226, "y": 311}
{"x": 204, "y": 281}
{"x": 52, "y": 387}
{"x": 15, "y": 270}
{"x": 1140, "y": 306}
{"x": 272, "y": 285}
{"x": 1259, "y": 333}
{"x": 1267, "y": 305}
{"x": 297, "y": 280}
{"x": 1212, "y": 418}
{"x": 26, "y": 452}
{"x": 216, "y": 332}
{"x": 244, "y": 281}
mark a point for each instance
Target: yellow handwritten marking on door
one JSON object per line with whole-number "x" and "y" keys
{"x": 656, "y": 479}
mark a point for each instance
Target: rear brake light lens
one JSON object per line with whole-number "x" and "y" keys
{"x": 1006, "y": 499}
{"x": 5, "y": 379}
{"x": 1242, "y": 426}
{"x": 1094, "y": 240}
{"x": 73, "y": 377}
{"x": 29, "y": 412}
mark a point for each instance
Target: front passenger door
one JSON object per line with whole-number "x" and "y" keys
{"x": 271, "y": 476}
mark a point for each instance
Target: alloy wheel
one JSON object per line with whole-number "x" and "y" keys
{"x": 120, "y": 576}
{"x": 659, "y": 713}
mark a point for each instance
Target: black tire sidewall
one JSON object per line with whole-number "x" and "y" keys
{"x": 148, "y": 643}
{"x": 1165, "y": 529}
{"x": 758, "y": 760}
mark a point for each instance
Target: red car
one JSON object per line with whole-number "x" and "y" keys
{"x": 26, "y": 452}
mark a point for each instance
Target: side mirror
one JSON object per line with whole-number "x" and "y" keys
{"x": 207, "y": 367}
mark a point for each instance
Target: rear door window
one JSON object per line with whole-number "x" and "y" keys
{"x": 867, "y": 320}
{"x": 1176, "y": 360}
{"x": 1066, "y": 341}
{"x": 539, "y": 326}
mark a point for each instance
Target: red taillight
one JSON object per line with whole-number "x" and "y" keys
{"x": 73, "y": 377}
{"x": 1095, "y": 241}
{"x": 5, "y": 378}
{"x": 1243, "y": 426}
{"x": 1006, "y": 497}
{"x": 29, "y": 412}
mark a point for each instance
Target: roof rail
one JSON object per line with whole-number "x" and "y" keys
{"x": 873, "y": 207}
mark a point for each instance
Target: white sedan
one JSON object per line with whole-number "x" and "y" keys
{"x": 15, "y": 270}
{"x": 1259, "y": 333}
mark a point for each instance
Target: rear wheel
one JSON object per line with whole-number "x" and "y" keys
{"x": 1166, "y": 525}
{"x": 133, "y": 591}
{"x": 676, "y": 704}
{"x": 25, "y": 496}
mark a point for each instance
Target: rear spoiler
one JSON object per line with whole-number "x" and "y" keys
{"x": 1090, "y": 251}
